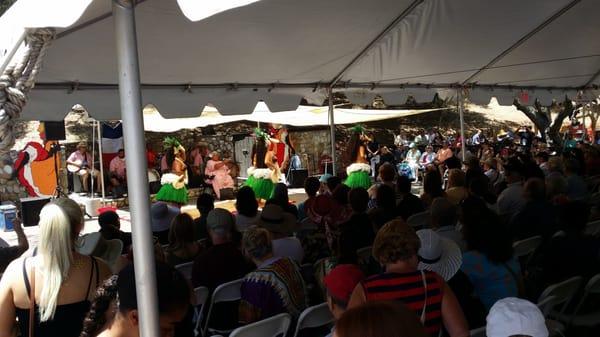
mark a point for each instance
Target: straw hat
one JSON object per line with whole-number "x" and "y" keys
{"x": 94, "y": 244}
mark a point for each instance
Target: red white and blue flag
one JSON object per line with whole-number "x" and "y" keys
{"x": 112, "y": 141}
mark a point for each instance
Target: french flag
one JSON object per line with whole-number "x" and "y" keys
{"x": 112, "y": 141}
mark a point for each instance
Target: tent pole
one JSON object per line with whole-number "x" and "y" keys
{"x": 133, "y": 135}
{"x": 101, "y": 161}
{"x": 463, "y": 141}
{"x": 332, "y": 131}
{"x": 93, "y": 168}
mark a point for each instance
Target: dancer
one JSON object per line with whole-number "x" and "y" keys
{"x": 264, "y": 172}
{"x": 173, "y": 188}
{"x": 358, "y": 171}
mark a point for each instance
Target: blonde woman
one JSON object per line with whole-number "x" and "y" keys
{"x": 63, "y": 281}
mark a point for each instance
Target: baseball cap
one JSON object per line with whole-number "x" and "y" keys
{"x": 341, "y": 281}
{"x": 514, "y": 316}
{"x": 220, "y": 221}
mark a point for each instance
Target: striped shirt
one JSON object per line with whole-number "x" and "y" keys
{"x": 409, "y": 289}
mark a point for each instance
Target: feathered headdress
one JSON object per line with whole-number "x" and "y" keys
{"x": 172, "y": 142}
{"x": 260, "y": 134}
{"x": 358, "y": 128}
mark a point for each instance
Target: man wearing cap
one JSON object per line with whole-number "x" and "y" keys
{"x": 339, "y": 284}
{"x": 80, "y": 162}
{"x": 281, "y": 225}
{"x": 513, "y": 316}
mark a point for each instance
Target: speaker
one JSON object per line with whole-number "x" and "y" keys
{"x": 54, "y": 130}
{"x": 297, "y": 178}
{"x": 30, "y": 210}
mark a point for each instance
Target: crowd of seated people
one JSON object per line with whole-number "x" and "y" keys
{"x": 439, "y": 263}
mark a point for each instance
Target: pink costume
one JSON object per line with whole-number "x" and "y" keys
{"x": 222, "y": 178}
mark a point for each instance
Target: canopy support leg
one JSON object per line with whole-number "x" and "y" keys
{"x": 459, "y": 105}
{"x": 332, "y": 131}
{"x": 133, "y": 134}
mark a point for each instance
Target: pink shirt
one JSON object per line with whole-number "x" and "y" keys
{"x": 79, "y": 158}
{"x": 117, "y": 166}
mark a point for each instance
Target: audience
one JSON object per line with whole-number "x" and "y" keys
{"x": 204, "y": 204}
{"x": 380, "y": 319}
{"x": 182, "y": 247}
{"x": 161, "y": 216}
{"x": 359, "y": 226}
{"x": 344, "y": 253}
{"x": 281, "y": 226}
{"x": 443, "y": 221}
{"x": 511, "y": 200}
{"x": 110, "y": 228}
{"x": 8, "y": 254}
{"x": 408, "y": 204}
{"x": 386, "y": 207}
{"x": 276, "y": 285}
{"x": 425, "y": 292}
{"x": 64, "y": 280}
{"x": 339, "y": 284}
{"x": 311, "y": 187}
{"x": 456, "y": 190}
{"x": 576, "y": 186}
{"x": 515, "y": 317}
{"x": 538, "y": 216}
{"x": 280, "y": 197}
{"x": 387, "y": 173}
{"x": 432, "y": 187}
{"x": 246, "y": 205}
{"x": 114, "y": 309}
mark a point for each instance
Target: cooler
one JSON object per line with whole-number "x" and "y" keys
{"x": 7, "y": 214}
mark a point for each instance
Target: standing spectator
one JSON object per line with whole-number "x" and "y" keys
{"x": 380, "y": 319}
{"x": 488, "y": 262}
{"x": 117, "y": 173}
{"x": 204, "y": 204}
{"x": 339, "y": 284}
{"x": 477, "y": 138}
{"x": 276, "y": 285}
{"x": 281, "y": 225}
{"x": 425, "y": 292}
{"x": 161, "y": 216}
{"x": 246, "y": 205}
{"x": 182, "y": 246}
{"x": 7, "y": 254}
{"x": 311, "y": 187}
{"x": 110, "y": 228}
{"x": 408, "y": 204}
{"x": 60, "y": 302}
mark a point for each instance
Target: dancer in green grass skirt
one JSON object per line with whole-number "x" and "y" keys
{"x": 173, "y": 188}
{"x": 265, "y": 172}
{"x": 359, "y": 171}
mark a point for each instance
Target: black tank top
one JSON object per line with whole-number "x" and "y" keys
{"x": 68, "y": 318}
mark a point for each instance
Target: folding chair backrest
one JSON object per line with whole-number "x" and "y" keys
{"x": 419, "y": 220}
{"x": 200, "y": 295}
{"x": 271, "y": 327}
{"x": 591, "y": 287}
{"x": 314, "y": 317}
{"x": 527, "y": 246}
{"x": 593, "y": 228}
{"x": 564, "y": 291}
{"x": 185, "y": 269}
{"x": 479, "y": 332}
{"x": 364, "y": 254}
{"x": 226, "y": 292}
{"x": 547, "y": 304}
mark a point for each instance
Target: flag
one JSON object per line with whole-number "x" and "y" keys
{"x": 112, "y": 141}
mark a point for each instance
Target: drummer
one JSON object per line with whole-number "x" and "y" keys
{"x": 117, "y": 173}
{"x": 80, "y": 163}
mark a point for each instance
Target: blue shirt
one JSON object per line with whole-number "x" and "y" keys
{"x": 492, "y": 281}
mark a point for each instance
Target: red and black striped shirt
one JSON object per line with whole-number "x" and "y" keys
{"x": 408, "y": 288}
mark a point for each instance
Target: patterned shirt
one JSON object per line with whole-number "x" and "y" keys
{"x": 275, "y": 287}
{"x": 409, "y": 288}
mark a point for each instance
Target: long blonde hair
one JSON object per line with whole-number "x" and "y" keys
{"x": 58, "y": 221}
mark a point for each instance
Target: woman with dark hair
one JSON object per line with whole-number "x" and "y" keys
{"x": 379, "y": 319}
{"x": 182, "y": 246}
{"x": 264, "y": 172}
{"x": 432, "y": 187}
{"x": 114, "y": 311}
{"x": 488, "y": 261}
{"x": 344, "y": 252}
{"x": 280, "y": 197}
{"x": 247, "y": 209}
{"x": 385, "y": 198}
{"x": 359, "y": 171}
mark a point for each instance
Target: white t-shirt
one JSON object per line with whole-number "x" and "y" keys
{"x": 288, "y": 247}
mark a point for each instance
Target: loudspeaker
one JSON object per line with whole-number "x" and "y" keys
{"x": 30, "y": 210}
{"x": 297, "y": 178}
{"x": 54, "y": 130}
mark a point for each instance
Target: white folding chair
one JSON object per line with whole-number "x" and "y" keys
{"x": 527, "y": 246}
{"x": 364, "y": 254}
{"x": 589, "y": 319}
{"x": 479, "y": 332}
{"x": 226, "y": 292}
{"x": 593, "y": 228}
{"x": 547, "y": 304}
{"x": 564, "y": 292}
{"x": 200, "y": 295}
{"x": 271, "y": 327}
{"x": 185, "y": 269}
{"x": 314, "y": 317}
{"x": 419, "y": 220}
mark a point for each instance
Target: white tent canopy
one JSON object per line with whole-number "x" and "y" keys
{"x": 302, "y": 116}
{"x": 281, "y": 50}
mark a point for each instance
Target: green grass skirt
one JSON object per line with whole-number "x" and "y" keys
{"x": 358, "y": 179}
{"x": 169, "y": 193}
{"x": 263, "y": 188}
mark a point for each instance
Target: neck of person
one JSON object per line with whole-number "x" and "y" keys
{"x": 262, "y": 260}
{"x": 403, "y": 266}
{"x": 117, "y": 327}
